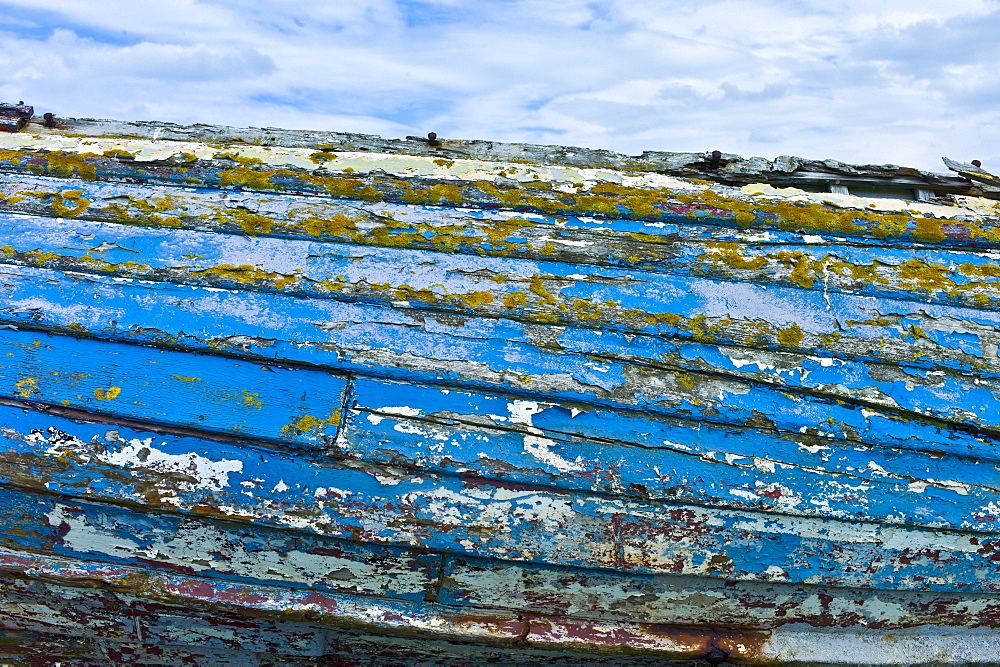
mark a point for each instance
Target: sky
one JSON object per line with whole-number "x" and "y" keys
{"x": 861, "y": 81}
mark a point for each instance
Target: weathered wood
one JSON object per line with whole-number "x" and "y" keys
{"x": 491, "y": 354}
{"x": 530, "y": 636}
{"x": 471, "y": 287}
{"x": 115, "y": 620}
{"x": 579, "y": 448}
{"x": 621, "y": 454}
{"x": 427, "y": 621}
{"x": 218, "y": 550}
{"x": 866, "y": 265}
{"x": 732, "y": 168}
{"x": 443, "y": 513}
{"x": 655, "y": 199}
{"x": 691, "y": 601}
{"x": 496, "y": 286}
{"x": 429, "y": 398}
{"x": 226, "y": 395}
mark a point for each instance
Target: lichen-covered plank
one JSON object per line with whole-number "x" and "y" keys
{"x": 381, "y": 504}
{"x": 495, "y": 355}
{"x": 641, "y": 196}
{"x": 774, "y": 257}
{"x": 216, "y": 393}
{"x": 499, "y": 288}
{"x": 493, "y": 286}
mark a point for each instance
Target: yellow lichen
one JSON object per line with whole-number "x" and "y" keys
{"x": 791, "y": 336}
{"x": 27, "y": 387}
{"x": 310, "y": 424}
{"x": 252, "y": 399}
{"x": 107, "y": 394}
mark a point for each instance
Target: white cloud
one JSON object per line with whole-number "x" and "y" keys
{"x": 893, "y": 81}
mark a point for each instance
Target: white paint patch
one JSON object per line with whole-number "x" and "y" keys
{"x": 775, "y": 572}
{"x": 539, "y": 448}
{"x": 877, "y": 469}
{"x": 670, "y": 443}
{"x": 83, "y": 537}
{"x": 142, "y": 455}
{"x": 521, "y": 412}
{"x": 951, "y": 485}
{"x": 411, "y": 429}
{"x": 761, "y": 366}
{"x": 402, "y": 411}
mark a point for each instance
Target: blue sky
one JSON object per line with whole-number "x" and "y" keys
{"x": 898, "y": 81}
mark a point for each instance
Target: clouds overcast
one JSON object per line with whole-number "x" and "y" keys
{"x": 886, "y": 81}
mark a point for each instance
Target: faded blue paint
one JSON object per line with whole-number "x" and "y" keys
{"x": 486, "y": 423}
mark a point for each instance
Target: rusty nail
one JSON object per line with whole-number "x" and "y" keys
{"x": 977, "y": 163}
{"x": 716, "y": 656}
{"x": 432, "y": 139}
{"x": 716, "y": 157}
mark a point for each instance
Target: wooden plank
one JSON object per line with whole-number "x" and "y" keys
{"x": 225, "y": 395}
{"x": 417, "y": 630}
{"x": 212, "y": 549}
{"x": 421, "y": 621}
{"x": 650, "y": 459}
{"x": 679, "y": 306}
{"x": 380, "y": 504}
{"x": 570, "y": 446}
{"x": 252, "y": 141}
{"x": 34, "y": 648}
{"x": 541, "y": 589}
{"x": 115, "y": 619}
{"x": 661, "y": 204}
{"x": 37, "y": 606}
{"x": 493, "y": 355}
{"x": 810, "y": 261}
{"x": 493, "y": 287}
{"x": 470, "y": 287}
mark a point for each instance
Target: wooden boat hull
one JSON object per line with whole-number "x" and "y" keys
{"x": 316, "y": 402}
